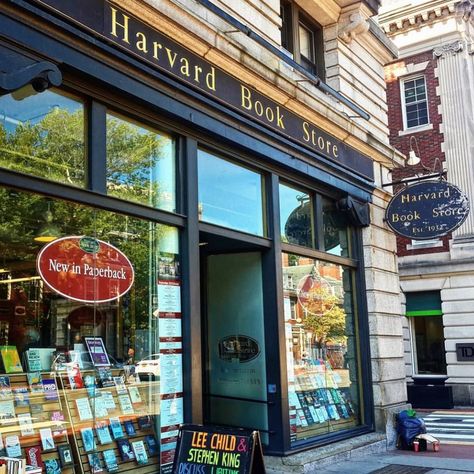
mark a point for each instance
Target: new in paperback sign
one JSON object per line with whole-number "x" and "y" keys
{"x": 85, "y": 269}
{"x": 427, "y": 210}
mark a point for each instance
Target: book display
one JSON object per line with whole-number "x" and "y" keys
{"x": 61, "y": 424}
{"x": 318, "y": 399}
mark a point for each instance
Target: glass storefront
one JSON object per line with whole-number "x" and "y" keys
{"x": 321, "y": 342}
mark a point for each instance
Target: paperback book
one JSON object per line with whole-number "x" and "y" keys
{"x": 109, "y": 401}
{"x": 125, "y": 450}
{"x": 135, "y": 396}
{"x": 95, "y": 463}
{"x": 11, "y": 360}
{"x": 84, "y": 409}
{"x": 144, "y": 422}
{"x": 59, "y": 426}
{"x": 125, "y": 404}
{"x": 35, "y": 382}
{"x": 116, "y": 428}
{"x": 65, "y": 455}
{"x": 103, "y": 432}
{"x": 105, "y": 377}
{"x": 12, "y": 446}
{"x": 33, "y": 359}
{"x": 120, "y": 385}
{"x": 99, "y": 408}
{"x": 21, "y": 397}
{"x": 89, "y": 383}
{"x": 26, "y": 425}
{"x": 140, "y": 452}
{"x": 33, "y": 456}
{"x": 75, "y": 378}
{"x": 129, "y": 428}
{"x": 5, "y": 387}
{"x": 152, "y": 445}
{"x": 88, "y": 440}
{"x": 52, "y": 466}
{"x": 50, "y": 389}
{"x": 110, "y": 460}
{"x": 7, "y": 412}
{"x": 47, "y": 440}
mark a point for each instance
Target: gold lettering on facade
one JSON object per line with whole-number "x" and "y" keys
{"x": 184, "y": 67}
{"x": 141, "y": 43}
{"x": 156, "y": 47}
{"x": 425, "y": 196}
{"x": 123, "y": 25}
{"x": 311, "y": 136}
{"x": 271, "y": 114}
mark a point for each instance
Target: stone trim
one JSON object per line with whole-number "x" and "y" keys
{"x": 448, "y": 49}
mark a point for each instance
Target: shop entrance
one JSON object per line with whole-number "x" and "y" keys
{"x": 233, "y": 335}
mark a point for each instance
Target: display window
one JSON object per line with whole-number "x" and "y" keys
{"x": 90, "y": 337}
{"x": 322, "y": 347}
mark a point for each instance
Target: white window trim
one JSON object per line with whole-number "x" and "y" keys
{"x": 402, "y": 97}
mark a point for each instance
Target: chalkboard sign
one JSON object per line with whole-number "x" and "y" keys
{"x": 218, "y": 450}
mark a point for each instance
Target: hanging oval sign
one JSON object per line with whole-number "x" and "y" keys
{"x": 85, "y": 269}
{"x": 315, "y": 294}
{"x": 427, "y": 210}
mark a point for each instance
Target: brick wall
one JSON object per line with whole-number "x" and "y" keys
{"x": 429, "y": 141}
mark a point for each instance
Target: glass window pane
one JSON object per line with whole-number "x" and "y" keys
{"x": 229, "y": 195}
{"x": 296, "y": 216}
{"x": 306, "y": 42}
{"x": 43, "y": 135}
{"x": 336, "y": 231}
{"x": 322, "y": 347}
{"x": 140, "y": 164}
{"x": 90, "y": 372}
{"x": 429, "y": 340}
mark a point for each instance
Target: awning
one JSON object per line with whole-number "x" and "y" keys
{"x": 426, "y": 303}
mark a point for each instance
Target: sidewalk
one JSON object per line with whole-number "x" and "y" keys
{"x": 450, "y": 459}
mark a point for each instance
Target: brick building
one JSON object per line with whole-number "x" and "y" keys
{"x": 429, "y": 94}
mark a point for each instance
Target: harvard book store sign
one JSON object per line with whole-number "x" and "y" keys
{"x": 427, "y": 210}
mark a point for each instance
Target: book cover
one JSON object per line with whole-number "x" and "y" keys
{"x": 152, "y": 445}
{"x": 125, "y": 450}
{"x": 125, "y": 404}
{"x": 11, "y": 360}
{"x": 110, "y": 460}
{"x": 109, "y": 401}
{"x": 99, "y": 408}
{"x": 88, "y": 440}
{"x": 120, "y": 385}
{"x": 33, "y": 359}
{"x": 84, "y": 409}
{"x": 33, "y": 456}
{"x": 26, "y": 424}
{"x": 89, "y": 383}
{"x": 59, "y": 426}
{"x": 5, "y": 387}
{"x": 65, "y": 455}
{"x": 50, "y": 389}
{"x": 140, "y": 452}
{"x": 116, "y": 427}
{"x": 75, "y": 378}
{"x": 47, "y": 440}
{"x": 103, "y": 432}
{"x": 35, "y": 382}
{"x": 7, "y": 411}
{"x": 21, "y": 396}
{"x": 129, "y": 427}
{"x": 134, "y": 393}
{"x": 105, "y": 377}
{"x": 12, "y": 445}
{"x": 95, "y": 463}
{"x": 144, "y": 422}
{"x": 52, "y": 466}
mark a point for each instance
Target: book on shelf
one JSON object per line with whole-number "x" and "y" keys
{"x": 125, "y": 450}
{"x": 125, "y": 404}
{"x": 88, "y": 440}
{"x": 47, "y": 440}
{"x": 33, "y": 469}
{"x": 50, "y": 389}
{"x": 7, "y": 412}
{"x": 120, "y": 385}
{"x": 129, "y": 428}
{"x": 65, "y": 455}
{"x": 108, "y": 399}
{"x": 52, "y": 466}
{"x": 90, "y": 384}
{"x": 105, "y": 377}
{"x": 152, "y": 444}
{"x": 26, "y": 424}
{"x": 75, "y": 377}
{"x": 12, "y": 446}
{"x": 84, "y": 409}
{"x": 13, "y": 465}
{"x": 59, "y": 425}
{"x": 11, "y": 360}
{"x": 35, "y": 381}
{"x": 5, "y": 387}
{"x": 103, "y": 432}
{"x": 95, "y": 463}
{"x": 21, "y": 396}
{"x": 144, "y": 422}
{"x": 116, "y": 428}
{"x": 33, "y": 360}
{"x": 110, "y": 460}
{"x": 134, "y": 393}
{"x": 33, "y": 456}
{"x": 140, "y": 452}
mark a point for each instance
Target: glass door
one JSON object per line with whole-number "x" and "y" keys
{"x": 234, "y": 343}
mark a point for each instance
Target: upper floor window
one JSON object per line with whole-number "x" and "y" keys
{"x": 415, "y": 103}
{"x": 302, "y": 37}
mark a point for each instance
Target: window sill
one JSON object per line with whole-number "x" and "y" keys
{"x": 424, "y": 244}
{"x": 410, "y": 131}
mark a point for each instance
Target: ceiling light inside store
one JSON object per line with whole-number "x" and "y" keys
{"x": 49, "y": 231}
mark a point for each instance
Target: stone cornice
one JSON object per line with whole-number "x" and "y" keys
{"x": 400, "y": 20}
{"x": 447, "y": 49}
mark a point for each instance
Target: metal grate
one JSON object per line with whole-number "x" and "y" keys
{"x": 401, "y": 469}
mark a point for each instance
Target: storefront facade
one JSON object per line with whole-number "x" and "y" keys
{"x": 262, "y": 296}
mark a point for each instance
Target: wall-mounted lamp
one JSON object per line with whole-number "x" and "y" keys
{"x": 49, "y": 231}
{"x": 413, "y": 157}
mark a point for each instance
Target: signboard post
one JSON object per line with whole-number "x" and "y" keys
{"x": 427, "y": 210}
{"x": 218, "y": 450}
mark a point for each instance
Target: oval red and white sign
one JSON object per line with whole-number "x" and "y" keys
{"x": 85, "y": 269}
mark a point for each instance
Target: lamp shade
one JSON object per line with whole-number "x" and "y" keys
{"x": 413, "y": 159}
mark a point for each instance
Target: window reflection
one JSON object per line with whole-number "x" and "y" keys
{"x": 229, "y": 195}
{"x": 321, "y": 347}
{"x": 295, "y": 216}
{"x": 336, "y": 230}
{"x": 43, "y": 135}
{"x": 140, "y": 164}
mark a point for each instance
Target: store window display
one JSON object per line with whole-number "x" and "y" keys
{"x": 73, "y": 380}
